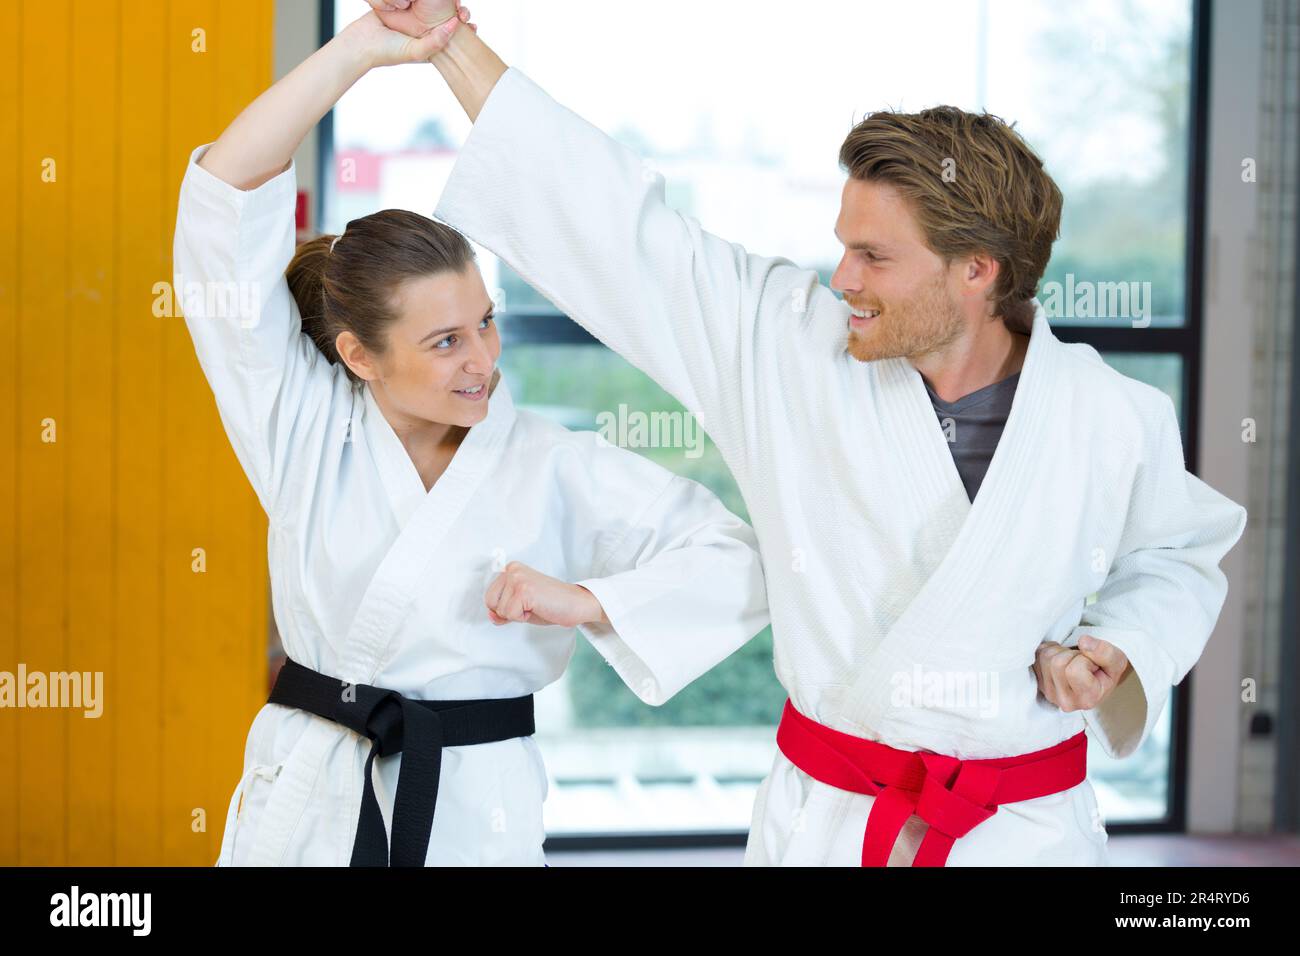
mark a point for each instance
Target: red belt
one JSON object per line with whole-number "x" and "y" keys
{"x": 953, "y": 796}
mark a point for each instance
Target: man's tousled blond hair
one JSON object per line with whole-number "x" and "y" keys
{"x": 975, "y": 186}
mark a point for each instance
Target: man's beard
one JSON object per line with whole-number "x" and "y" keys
{"x": 927, "y": 323}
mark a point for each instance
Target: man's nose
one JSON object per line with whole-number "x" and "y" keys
{"x": 844, "y": 280}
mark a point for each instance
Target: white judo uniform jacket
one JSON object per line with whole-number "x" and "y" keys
{"x": 376, "y": 581}
{"x": 882, "y": 576}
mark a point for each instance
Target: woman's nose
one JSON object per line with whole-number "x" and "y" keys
{"x": 479, "y": 360}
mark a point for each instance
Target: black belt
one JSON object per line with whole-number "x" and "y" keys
{"x": 417, "y": 729}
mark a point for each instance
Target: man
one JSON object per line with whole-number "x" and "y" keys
{"x": 948, "y": 620}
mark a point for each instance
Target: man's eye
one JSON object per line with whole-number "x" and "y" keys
{"x": 486, "y": 319}
{"x": 447, "y": 342}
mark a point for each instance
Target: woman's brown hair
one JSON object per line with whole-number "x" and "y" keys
{"x": 975, "y": 186}
{"x": 347, "y": 282}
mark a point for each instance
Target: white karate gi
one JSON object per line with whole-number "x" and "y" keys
{"x": 877, "y": 563}
{"x": 377, "y": 581}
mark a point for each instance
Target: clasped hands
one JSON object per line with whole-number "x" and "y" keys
{"x": 407, "y": 31}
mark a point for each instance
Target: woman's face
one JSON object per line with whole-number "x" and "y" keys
{"x": 442, "y": 351}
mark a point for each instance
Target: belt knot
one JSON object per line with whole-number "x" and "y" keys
{"x": 956, "y": 796}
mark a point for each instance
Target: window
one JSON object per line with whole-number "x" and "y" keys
{"x": 744, "y": 118}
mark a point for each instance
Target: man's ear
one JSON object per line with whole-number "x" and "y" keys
{"x": 982, "y": 271}
{"x": 978, "y": 273}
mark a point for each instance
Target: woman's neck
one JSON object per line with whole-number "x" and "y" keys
{"x": 430, "y": 445}
{"x": 413, "y": 431}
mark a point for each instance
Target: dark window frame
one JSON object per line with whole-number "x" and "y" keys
{"x": 532, "y": 327}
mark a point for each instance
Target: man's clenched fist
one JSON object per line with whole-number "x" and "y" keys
{"x": 1079, "y": 679}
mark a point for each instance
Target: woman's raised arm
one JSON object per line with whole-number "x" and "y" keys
{"x": 234, "y": 240}
{"x": 262, "y": 139}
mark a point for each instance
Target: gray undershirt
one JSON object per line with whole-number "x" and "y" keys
{"x": 973, "y": 424}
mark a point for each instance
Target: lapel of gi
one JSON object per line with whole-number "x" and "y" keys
{"x": 424, "y": 517}
{"x": 931, "y": 622}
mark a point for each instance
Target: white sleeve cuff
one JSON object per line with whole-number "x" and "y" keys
{"x": 278, "y": 195}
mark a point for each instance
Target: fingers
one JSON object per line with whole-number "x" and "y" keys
{"x": 1070, "y": 679}
{"x": 1046, "y": 653}
{"x": 1050, "y": 663}
{"x": 509, "y": 597}
{"x": 493, "y": 597}
{"x": 1105, "y": 654}
{"x": 1081, "y": 677}
{"x": 1076, "y": 680}
{"x": 511, "y": 604}
{"x": 507, "y": 600}
{"x": 1062, "y": 694}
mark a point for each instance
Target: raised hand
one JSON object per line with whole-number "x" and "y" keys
{"x": 417, "y": 17}
{"x": 1079, "y": 679}
{"x": 260, "y": 142}
{"x": 524, "y": 594}
{"x": 385, "y": 45}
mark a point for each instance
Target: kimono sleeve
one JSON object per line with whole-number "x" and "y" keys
{"x": 1164, "y": 592}
{"x": 230, "y": 251}
{"x": 680, "y": 579}
{"x": 584, "y": 220}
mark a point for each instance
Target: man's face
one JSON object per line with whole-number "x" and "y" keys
{"x": 889, "y": 273}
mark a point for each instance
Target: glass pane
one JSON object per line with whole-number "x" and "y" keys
{"x": 1137, "y": 787}
{"x": 616, "y": 764}
{"x": 1100, "y": 92}
{"x": 1161, "y": 370}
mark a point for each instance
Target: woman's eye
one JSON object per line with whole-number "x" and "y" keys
{"x": 450, "y": 340}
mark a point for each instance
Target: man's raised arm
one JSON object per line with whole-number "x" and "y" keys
{"x": 583, "y": 219}
{"x": 470, "y": 68}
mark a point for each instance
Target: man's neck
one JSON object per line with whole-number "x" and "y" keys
{"x": 989, "y": 353}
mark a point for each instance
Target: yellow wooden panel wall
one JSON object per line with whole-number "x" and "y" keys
{"x": 99, "y": 528}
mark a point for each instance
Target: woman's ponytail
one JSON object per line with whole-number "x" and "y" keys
{"x": 306, "y": 277}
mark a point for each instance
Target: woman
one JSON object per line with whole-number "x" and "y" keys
{"x": 423, "y": 531}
